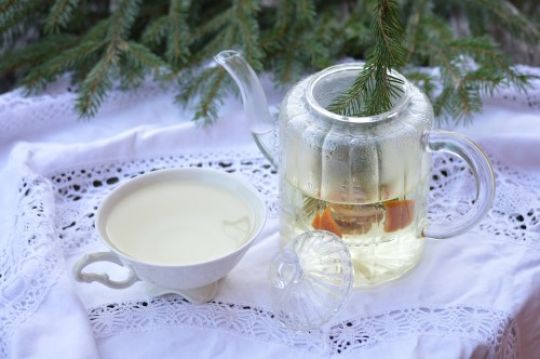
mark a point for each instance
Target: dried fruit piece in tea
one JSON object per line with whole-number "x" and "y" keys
{"x": 325, "y": 221}
{"x": 356, "y": 219}
{"x": 399, "y": 214}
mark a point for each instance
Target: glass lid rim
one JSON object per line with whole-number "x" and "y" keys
{"x": 314, "y": 104}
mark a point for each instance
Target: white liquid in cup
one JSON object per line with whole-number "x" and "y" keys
{"x": 179, "y": 222}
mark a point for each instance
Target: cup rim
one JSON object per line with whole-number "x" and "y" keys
{"x": 106, "y": 203}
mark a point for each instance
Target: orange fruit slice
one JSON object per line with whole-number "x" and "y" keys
{"x": 399, "y": 214}
{"x": 316, "y": 222}
{"x": 325, "y": 221}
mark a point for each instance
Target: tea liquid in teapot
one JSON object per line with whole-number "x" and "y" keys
{"x": 383, "y": 236}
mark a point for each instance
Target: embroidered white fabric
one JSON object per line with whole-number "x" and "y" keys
{"x": 48, "y": 223}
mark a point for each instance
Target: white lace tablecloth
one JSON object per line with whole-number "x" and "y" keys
{"x": 476, "y": 295}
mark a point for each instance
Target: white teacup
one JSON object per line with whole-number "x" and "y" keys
{"x": 197, "y": 282}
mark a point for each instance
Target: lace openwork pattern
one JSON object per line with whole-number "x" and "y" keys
{"x": 494, "y": 329}
{"x": 515, "y": 214}
{"x": 31, "y": 260}
{"x": 55, "y": 106}
{"x": 55, "y": 221}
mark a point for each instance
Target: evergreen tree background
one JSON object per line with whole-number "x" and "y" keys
{"x": 102, "y": 44}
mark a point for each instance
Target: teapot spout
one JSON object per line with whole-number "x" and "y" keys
{"x": 261, "y": 122}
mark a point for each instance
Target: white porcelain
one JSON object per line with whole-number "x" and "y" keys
{"x": 196, "y": 282}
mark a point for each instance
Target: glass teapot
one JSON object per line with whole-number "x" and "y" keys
{"x": 363, "y": 178}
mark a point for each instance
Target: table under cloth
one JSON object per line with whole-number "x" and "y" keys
{"x": 476, "y": 295}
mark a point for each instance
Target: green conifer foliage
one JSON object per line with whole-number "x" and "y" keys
{"x": 373, "y": 90}
{"x": 103, "y": 44}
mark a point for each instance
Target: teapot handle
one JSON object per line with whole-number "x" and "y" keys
{"x": 464, "y": 148}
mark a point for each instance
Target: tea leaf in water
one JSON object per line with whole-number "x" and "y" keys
{"x": 311, "y": 205}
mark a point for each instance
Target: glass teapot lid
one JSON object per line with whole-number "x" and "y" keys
{"x": 311, "y": 278}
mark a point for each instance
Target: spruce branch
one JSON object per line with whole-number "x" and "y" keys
{"x": 207, "y": 107}
{"x": 469, "y": 67}
{"x": 135, "y": 62}
{"x": 442, "y": 104}
{"x": 94, "y": 88}
{"x": 206, "y": 87}
{"x": 245, "y": 12}
{"x": 59, "y": 15}
{"x": 141, "y": 56}
{"x": 375, "y": 87}
{"x": 505, "y": 12}
{"x": 191, "y": 83}
{"x": 423, "y": 80}
{"x": 469, "y": 99}
{"x": 213, "y": 25}
{"x": 18, "y": 17}
{"x": 121, "y": 21}
{"x": 293, "y": 38}
{"x": 99, "y": 80}
{"x": 6, "y": 5}
{"x": 413, "y": 25}
{"x": 284, "y": 12}
{"x": 357, "y": 33}
{"x": 155, "y": 32}
{"x": 323, "y": 50}
{"x": 42, "y": 74}
{"x": 306, "y": 11}
{"x": 97, "y": 32}
{"x": 100, "y": 43}
{"x": 235, "y": 26}
{"x": 45, "y": 60}
{"x": 35, "y": 54}
{"x": 178, "y": 32}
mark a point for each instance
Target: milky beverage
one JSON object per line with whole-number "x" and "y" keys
{"x": 179, "y": 223}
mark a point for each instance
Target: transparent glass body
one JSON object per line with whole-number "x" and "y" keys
{"x": 362, "y": 178}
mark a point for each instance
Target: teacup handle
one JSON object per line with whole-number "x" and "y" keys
{"x": 464, "y": 148}
{"x": 102, "y": 278}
